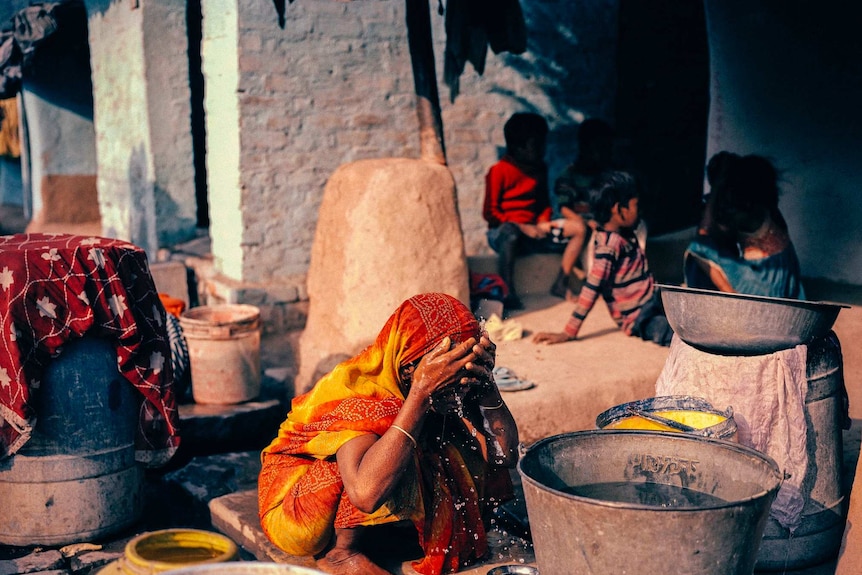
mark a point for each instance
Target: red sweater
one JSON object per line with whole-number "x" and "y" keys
{"x": 513, "y": 196}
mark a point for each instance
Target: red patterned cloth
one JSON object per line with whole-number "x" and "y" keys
{"x": 55, "y": 287}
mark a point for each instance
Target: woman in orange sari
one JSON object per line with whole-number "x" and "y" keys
{"x": 413, "y": 429}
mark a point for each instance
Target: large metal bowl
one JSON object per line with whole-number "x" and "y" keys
{"x": 741, "y": 324}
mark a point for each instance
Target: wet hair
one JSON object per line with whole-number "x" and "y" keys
{"x": 521, "y": 127}
{"x": 612, "y": 187}
{"x": 747, "y": 190}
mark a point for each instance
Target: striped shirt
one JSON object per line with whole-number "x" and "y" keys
{"x": 621, "y": 275}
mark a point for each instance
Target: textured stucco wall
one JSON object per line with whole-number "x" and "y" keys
{"x": 122, "y": 136}
{"x": 51, "y": 128}
{"x": 57, "y": 101}
{"x": 786, "y": 83}
{"x": 220, "y": 64}
{"x": 169, "y": 112}
{"x": 335, "y": 85}
{"x": 141, "y": 102}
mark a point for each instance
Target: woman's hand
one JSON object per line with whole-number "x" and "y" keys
{"x": 457, "y": 368}
{"x": 480, "y": 371}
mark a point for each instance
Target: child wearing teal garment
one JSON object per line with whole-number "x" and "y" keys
{"x": 743, "y": 245}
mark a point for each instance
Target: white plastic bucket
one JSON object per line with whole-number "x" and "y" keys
{"x": 224, "y": 352}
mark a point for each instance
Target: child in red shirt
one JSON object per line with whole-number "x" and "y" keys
{"x": 517, "y": 205}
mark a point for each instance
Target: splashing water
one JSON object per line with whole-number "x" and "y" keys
{"x": 459, "y": 405}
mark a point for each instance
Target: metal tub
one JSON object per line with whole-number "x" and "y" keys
{"x": 577, "y": 534}
{"x": 741, "y": 324}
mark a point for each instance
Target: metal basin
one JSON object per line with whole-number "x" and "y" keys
{"x": 664, "y": 527}
{"x": 741, "y": 324}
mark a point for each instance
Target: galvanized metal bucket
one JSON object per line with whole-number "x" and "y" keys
{"x": 578, "y": 534}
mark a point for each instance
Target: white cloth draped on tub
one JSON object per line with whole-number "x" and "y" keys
{"x": 767, "y": 394}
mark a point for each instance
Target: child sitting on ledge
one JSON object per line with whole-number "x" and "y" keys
{"x": 517, "y": 206}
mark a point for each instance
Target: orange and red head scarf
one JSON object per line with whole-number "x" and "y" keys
{"x": 301, "y": 495}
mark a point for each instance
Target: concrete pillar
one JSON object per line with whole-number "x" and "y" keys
{"x": 785, "y": 84}
{"x": 142, "y": 106}
{"x": 220, "y": 64}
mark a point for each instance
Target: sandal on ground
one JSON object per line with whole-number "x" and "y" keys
{"x": 506, "y": 380}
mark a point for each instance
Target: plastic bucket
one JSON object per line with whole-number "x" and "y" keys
{"x": 695, "y": 412}
{"x": 713, "y": 527}
{"x": 224, "y": 352}
{"x": 76, "y": 478}
{"x": 818, "y": 538}
{"x": 171, "y": 549}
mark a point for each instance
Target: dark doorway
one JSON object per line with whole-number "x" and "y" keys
{"x": 194, "y": 25}
{"x": 663, "y": 104}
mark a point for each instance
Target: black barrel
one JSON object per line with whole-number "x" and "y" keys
{"x": 76, "y": 479}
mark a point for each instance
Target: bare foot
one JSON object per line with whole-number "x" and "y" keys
{"x": 343, "y": 562}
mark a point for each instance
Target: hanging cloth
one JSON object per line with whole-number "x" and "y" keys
{"x": 30, "y": 27}
{"x": 10, "y": 144}
{"x": 473, "y": 25}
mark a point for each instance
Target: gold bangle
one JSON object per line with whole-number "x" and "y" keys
{"x": 498, "y": 406}
{"x": 407, "y": 433}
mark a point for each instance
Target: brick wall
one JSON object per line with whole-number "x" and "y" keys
{"x": 335, "y": 85}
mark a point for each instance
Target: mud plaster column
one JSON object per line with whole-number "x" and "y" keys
{"x": 388, "y": 229}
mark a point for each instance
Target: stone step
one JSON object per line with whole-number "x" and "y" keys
{"x": 236, "y": 516}
{"x": 223, "y": 428}
{"x": 535, "y": 273}
{"x": 209, "y": 429}
{"x": 172, "y": 278}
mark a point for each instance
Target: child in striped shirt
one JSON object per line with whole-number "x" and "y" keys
{"x": 620, "y": 272}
